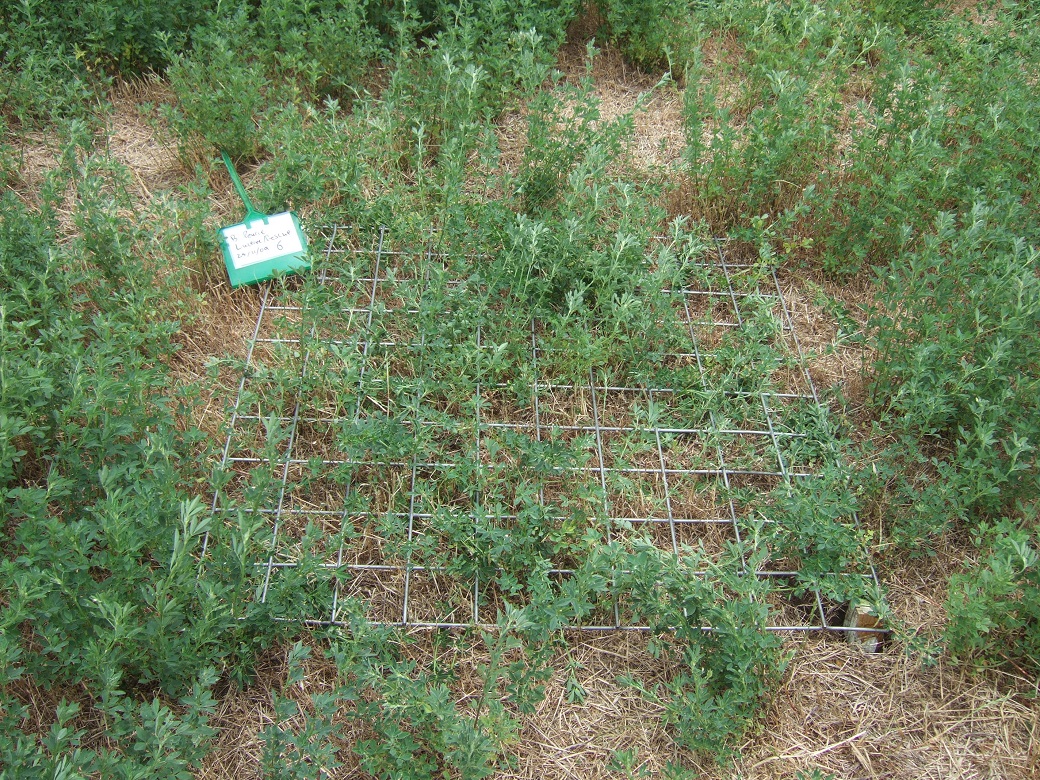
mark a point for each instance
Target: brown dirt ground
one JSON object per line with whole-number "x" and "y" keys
{"x": 855, "y": 715}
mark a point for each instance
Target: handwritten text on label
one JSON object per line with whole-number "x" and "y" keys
{"x": 256, "y": 242}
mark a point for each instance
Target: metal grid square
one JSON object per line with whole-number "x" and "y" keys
{"x": 393, "y": 480}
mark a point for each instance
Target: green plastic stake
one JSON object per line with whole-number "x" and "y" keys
{"x": 261, "y": 246}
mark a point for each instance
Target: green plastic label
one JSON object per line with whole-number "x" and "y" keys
{"x": 259, "y": 249}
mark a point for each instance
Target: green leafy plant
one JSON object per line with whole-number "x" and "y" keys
{"x": 757, "y": 153}
{"x": 813, "y": 521}
{"x": 712, "y": 628}
{"x": 322, "y": 47}
{"x": 105, "y": 34}
{"x": 583, "y": 236}
{"x": 651, "y": 32}
{"x": 101, "y": 530}
{"x": 994, "y": 608}
{"x": 220, "y": 93}
{"x": 935, "y": 139}
{"x": 956, "y": 375}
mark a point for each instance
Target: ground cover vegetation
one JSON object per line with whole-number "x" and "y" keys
{"x": 887, "y": 144}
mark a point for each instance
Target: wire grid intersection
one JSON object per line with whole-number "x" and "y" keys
{"x": 409, "y": 453}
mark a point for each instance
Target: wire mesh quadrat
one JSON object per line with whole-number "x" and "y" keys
{"x": 401, "y": 431}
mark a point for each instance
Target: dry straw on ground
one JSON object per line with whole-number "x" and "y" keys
{"x": 135, "y": 138}
{"x": 841, "y": 711}
{"x": 885, "y": 715}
